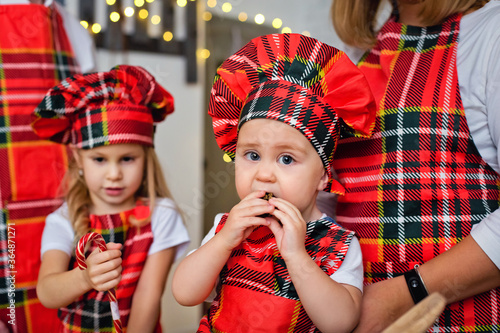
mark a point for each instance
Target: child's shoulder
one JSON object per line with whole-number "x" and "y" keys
{"x": 165, "y": 203}
{"x": 60, "y": 213}
{"x": 165, "y": 209}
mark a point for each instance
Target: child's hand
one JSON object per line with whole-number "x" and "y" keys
{"x": 104, "y": 268}
{"x": 244, "y": 218}
{"x": 291, "y": 233}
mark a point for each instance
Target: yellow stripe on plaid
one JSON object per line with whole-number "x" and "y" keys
{"x": 408, "y": 241}
{"x": 221, "y": 306}
{"x": 295, "y": 316}
{"x": 12, "y": 167}
{"x": 104, "y": 122}
{"x": 35, "y": 51}
{"x": 23, "y": 144}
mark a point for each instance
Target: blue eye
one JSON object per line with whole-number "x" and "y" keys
{"x": 252, "y": 156}
{"x": 286, "y": 159}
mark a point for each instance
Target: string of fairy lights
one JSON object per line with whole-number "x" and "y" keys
{"x": 143, "y": 14}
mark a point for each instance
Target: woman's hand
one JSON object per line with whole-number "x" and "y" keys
{"x": 104, "y": 268}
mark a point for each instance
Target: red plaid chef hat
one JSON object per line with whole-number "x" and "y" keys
{"x": 297, "y": 80}
{"x": 97, "y": 109}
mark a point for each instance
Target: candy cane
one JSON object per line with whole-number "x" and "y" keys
{"x": 80, "y": 259}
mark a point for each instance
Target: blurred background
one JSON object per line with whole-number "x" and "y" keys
{"x": 182, "y": 42}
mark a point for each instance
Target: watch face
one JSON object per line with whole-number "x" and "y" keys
{"x": 414, "y": 282}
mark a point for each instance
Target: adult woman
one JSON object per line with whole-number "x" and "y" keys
{"x": 419, "y": 185}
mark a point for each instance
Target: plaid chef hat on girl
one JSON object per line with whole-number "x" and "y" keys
{"x": 98, "y": 109}
{"x": 297, "y": 80}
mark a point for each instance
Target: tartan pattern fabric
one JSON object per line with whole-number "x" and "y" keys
{"x": 296, "y": 80}
{"x": 98, "y": 109}
{"x": 35, "y": 55}
{"x": 91, "y": 312}
{"x": 418, "y": 185}
{"x": 255, "y": 286}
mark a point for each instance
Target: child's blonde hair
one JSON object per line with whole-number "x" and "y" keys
{"x": 355, "y": 20}
{"x": 78, "y": 198}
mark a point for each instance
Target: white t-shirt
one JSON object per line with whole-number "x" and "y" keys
{"x": 478, "y": 67}
{"x": 166, "y": 225}
{"x": 350, "y": 272}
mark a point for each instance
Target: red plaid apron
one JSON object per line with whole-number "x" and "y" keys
{"x": 35, "y": 55}
{"x": 256, "y": 292}
{"x": 416, "y": 187}
{"x": 91, "y": 312}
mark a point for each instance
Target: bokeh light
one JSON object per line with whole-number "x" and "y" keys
{"x": 129, "y": 11}
{"x": 168, "y": 36}
{"x": 155, "y": 19}
{"x": 277, "y": 23}
{"x": 114, "y": 16}
{"x": 204, "y": 53}
{"x": 96, "y": 28}
{"x": 242, "y": 16}
{"x": 259, "y": 19}
{"x": 227, "y": 7}
{"x": 143, "y": 14}
{"x": 207, "y": 16}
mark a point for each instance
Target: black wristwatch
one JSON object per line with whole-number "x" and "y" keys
{"x": 416, "y": 285}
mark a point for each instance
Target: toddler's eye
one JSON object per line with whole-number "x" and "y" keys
{"x": 98, "y": 159}
{"x": 128, "y": 159}
{"x": 286, "y": 159}
{"x": 252, "y": 156}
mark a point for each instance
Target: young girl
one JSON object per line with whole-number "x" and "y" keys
{"x": 115, "y": 187}
{"x": 281, "y": 265}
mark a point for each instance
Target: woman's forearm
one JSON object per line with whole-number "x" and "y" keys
{"x": 463, "y": 271}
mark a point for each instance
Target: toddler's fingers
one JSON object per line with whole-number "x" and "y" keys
{"x": 254, "y": 195}
{"x": 287, "y": 208}
{"x": 274, "y": 225}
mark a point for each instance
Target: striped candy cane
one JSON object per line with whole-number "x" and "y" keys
{"x": 80, "y": 259}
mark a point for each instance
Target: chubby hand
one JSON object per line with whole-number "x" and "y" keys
{"x": 290, "y": 231}
{"x": 104, "y": 269}
{"x": 244, "y": 218}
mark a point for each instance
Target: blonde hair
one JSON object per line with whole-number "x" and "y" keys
{"x": 78, "y": 198}
{"x": 354, "y": 20}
